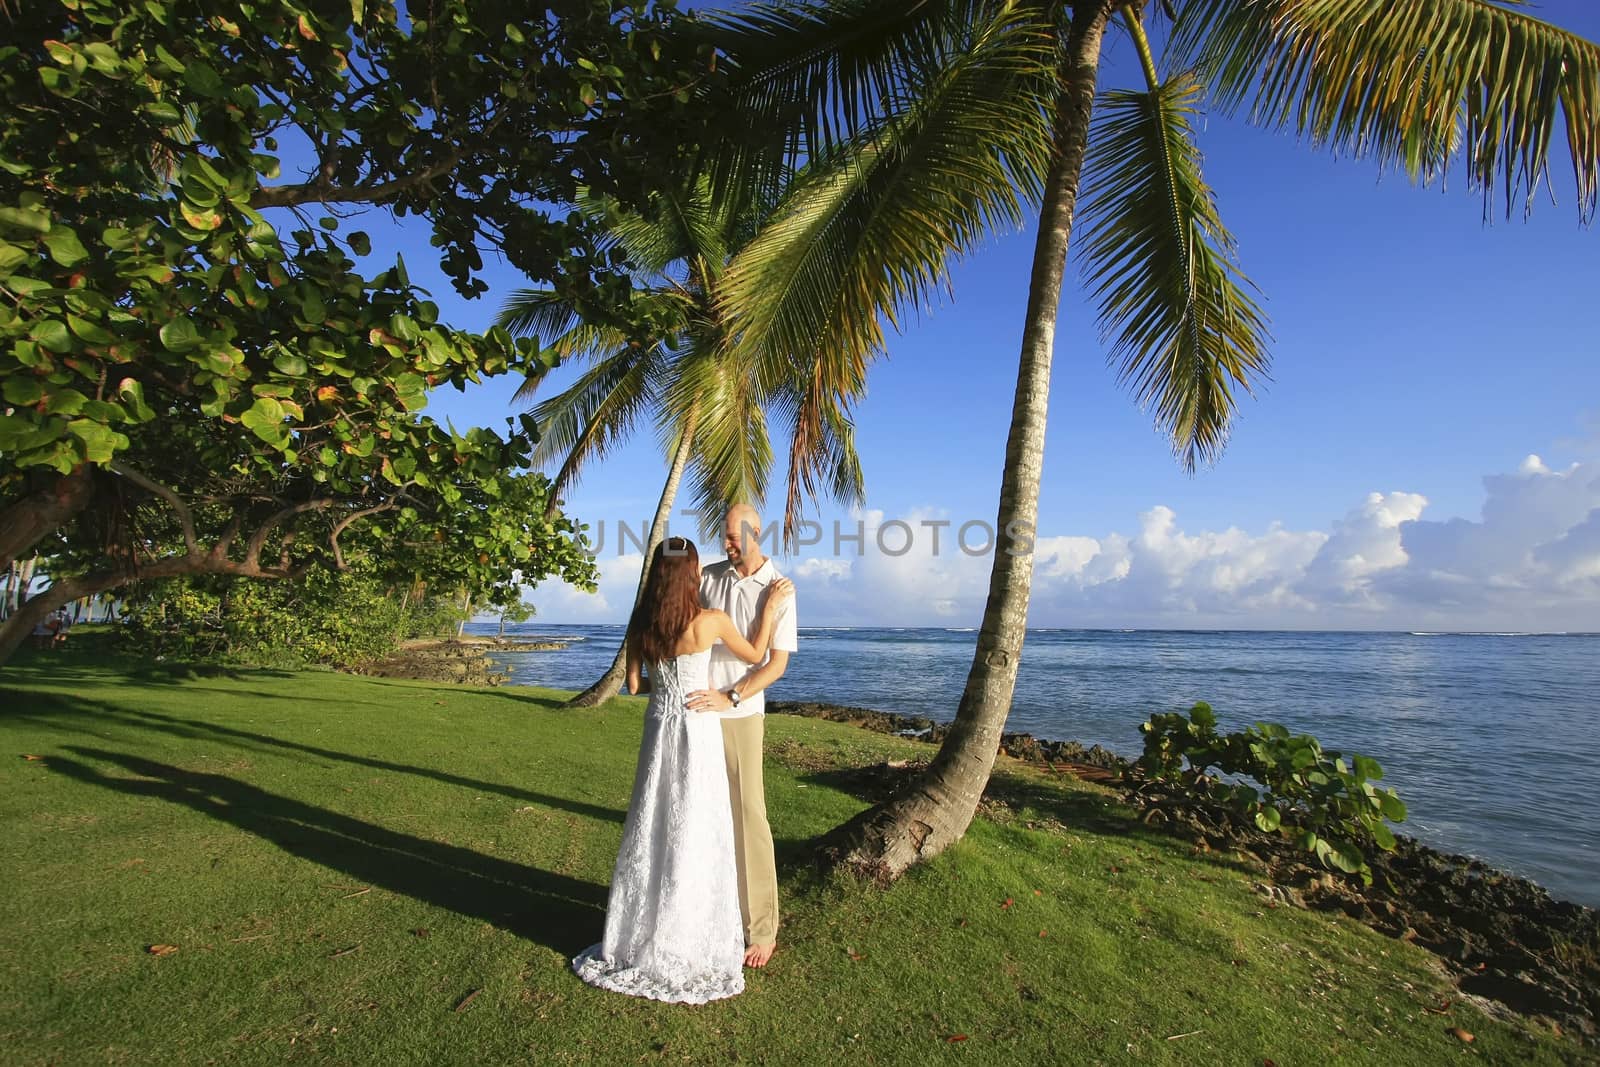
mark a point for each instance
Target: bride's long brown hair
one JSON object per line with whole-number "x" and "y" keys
{"x": 670, "y": 602}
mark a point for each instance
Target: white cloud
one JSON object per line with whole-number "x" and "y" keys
{"x": 618, "y": 581}
{"x": 1530, "y": 561}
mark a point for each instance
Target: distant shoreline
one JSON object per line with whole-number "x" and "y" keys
{"x": 1405, "y": 632}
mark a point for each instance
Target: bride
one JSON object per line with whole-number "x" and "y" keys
{"x": 673, "y": 930}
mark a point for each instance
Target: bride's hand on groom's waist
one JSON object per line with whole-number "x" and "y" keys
{"x": 708, "y": 700}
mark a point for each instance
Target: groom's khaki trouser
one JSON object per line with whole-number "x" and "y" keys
{"x": 758, "y": 871}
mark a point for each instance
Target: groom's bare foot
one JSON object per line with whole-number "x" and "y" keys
{"x": 758, "y": 955}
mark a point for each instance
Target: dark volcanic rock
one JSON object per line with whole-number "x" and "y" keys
{"x": 436, "y": 661}
{"x": 1503, "y": 937}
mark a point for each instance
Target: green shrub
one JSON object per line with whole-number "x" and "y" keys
{"x": 1328, "y": 805}
{"x": 337, "y": 618}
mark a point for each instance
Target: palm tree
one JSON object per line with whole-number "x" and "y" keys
{"x": 1407, "y": 85}
{"x": 710, "y": 412}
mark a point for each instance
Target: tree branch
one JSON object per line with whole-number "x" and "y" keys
{"x": 342, "y": 524}
{"x": 318, "y": 192}
{"x": 185, "y": 517}
{"x": 229, "y": 532}
{"x": 252, "y": 555}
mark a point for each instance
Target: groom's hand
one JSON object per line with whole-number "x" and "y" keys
{"x": 708, "y": 700}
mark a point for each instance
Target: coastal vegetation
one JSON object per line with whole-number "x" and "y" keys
{"x": 1327, "y": 804}
{"x": 200, "y": 378}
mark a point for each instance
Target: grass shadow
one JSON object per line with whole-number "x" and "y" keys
{"x": 563, "y": 913}
{"x": 196, "y": 729}
{"x": 90, "y": 665}
{"x": 1012, "y": 798}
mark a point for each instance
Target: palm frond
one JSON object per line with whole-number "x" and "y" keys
{"x": 596, "y": 413}
{"x": 672, "y": 309}
{"x": 684, "y": 221}
{"x": 732, "y": 454}
{"x": 863, "y": 234}
{"x": 1409, "y": 84}
{"x": 1173, "y": 306}
{"x": 540, "y": 313}
{"x": 807, "y": 76}
{"x": 821, "y": 438}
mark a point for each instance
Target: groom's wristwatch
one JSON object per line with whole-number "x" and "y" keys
{"x": 733, "y": 695}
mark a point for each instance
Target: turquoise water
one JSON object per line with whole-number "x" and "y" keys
{"x": 1493, "y": 740}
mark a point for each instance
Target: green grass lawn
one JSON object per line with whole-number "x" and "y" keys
{"x": 342, "y": 863}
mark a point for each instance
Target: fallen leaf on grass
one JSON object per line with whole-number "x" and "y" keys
{"x": 421, "y": 931}
{"x": 1007, "y": 904}
{"x": 161, "y": 950}
{"x": 1044, "y": 933}
{"x": 1460, "y": 1034}
{"x": 31, "y": 756}
{"x": 956, "y": 1037}
{"x": 1442, "y": 1009}
{"x": 853, "y": 954}
{"x": 1038, "y": 892}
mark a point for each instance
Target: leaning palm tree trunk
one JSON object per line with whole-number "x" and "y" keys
{"x": 609, "y": 684}
{"x": 884, "y": 841}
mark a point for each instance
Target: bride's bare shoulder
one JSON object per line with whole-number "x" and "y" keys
{"x": 710, "y": 622}
{"x": 702, "y": 632}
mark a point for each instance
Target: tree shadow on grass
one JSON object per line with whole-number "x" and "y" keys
{"x": 561, "y": 912}
{"x": 90, "y": 657}
{"x": 524, "y": 695}
{"x": 1021, "y": 799}
{"x": 197, "y": 729}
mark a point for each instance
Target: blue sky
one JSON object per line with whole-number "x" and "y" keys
{"x": 1380, "y": 480}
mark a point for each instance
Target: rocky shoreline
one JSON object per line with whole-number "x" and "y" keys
{"x": 1500, "y": 937}
{"x": 461, "y": 660}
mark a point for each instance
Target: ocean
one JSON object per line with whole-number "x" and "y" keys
{"x": 1492, "y": 740}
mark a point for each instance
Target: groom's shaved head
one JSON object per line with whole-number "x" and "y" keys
{"x": 741, "y": 533}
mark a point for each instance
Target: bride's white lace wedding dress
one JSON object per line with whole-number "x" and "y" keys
{"x": 673, "y": 930}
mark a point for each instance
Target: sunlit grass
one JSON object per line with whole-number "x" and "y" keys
{"x": 343, "y": 863}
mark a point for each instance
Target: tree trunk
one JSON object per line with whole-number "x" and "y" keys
{"x": 64, "y": 591}
{"x": 26, "y": 522}
{"x": 609, "y": 684}
{"x": 938, "y": 807}
{"x": 60, "y": 593}
{"x": 23, "y": 582}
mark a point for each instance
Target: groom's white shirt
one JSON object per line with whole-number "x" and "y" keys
{"x": 724, "y": 589}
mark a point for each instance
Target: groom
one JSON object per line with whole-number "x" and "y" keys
{"x": 736, "y": 586}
